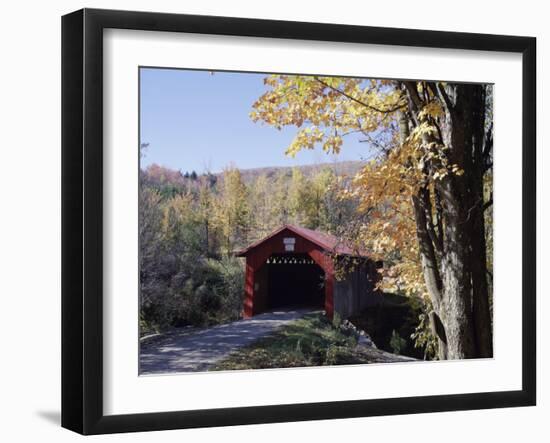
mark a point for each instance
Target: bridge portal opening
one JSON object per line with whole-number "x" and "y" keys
{"x": 294, "y": 281}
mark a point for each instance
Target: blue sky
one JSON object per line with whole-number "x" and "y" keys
{"x": 194, "y": 120}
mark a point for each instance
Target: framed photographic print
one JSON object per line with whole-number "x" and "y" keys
{"x": 269, "y": 221}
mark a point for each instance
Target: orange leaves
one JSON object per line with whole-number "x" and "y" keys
{"x": 385, "y": 187}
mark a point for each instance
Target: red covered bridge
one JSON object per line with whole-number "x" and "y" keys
{"x": 295, "y": 267}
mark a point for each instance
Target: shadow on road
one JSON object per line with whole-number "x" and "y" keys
{"x": 197, "y": 350}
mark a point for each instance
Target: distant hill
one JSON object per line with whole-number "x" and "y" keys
{"x": 171, "y": 181}
{"x": 348, "y": 168}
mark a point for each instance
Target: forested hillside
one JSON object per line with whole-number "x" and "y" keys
{"x": 192, "y": 224}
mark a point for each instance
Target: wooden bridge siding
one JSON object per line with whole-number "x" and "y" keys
{"x": 255, "y": 282}
{"x": 357, "y": 290}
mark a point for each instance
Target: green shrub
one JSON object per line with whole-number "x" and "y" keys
{"x": 226, "y": 284}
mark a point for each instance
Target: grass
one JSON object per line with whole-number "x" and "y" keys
{"x": 309, "y": 341}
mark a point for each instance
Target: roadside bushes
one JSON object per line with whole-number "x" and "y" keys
{"x": 181, "y": 283}
{"x": 227, "y": 283}
{"x": 211, "y": 293}
{"x": 214, "y": 294}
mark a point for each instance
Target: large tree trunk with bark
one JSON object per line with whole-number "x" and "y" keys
{"x": 456, "y": 306}
{"x": 481, "y": 146}
{"x": 451, "y": 235}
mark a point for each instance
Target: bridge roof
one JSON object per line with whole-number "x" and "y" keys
{"x": 323, "y": 240}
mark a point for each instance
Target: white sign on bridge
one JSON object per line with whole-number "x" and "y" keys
{"x": 289, "y": 243}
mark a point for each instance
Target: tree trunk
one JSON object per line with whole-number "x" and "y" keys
{"x": 455, "y": 275}
{"x": 428, "y": 255}
{"x": 453, "y": 255}
{"x": 430, "y": 269}
{"x": 480, "y": 295}
{"x": 464, "y": 259}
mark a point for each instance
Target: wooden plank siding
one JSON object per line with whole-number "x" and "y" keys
{"x": 347, "y": 296}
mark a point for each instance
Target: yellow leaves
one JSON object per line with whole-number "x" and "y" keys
{"x": 325, "y": 109}
{"x": 384, "y": 187}
{"x": 455, "y": 169}
{"x": 334, "y": 82}
{"x": 177, "y": 210}
{"x": 422, "y": 132}
{"x": 253, "y": 116}
{"x": 432, "y": 109}
{"x": 444, "y": 171}
{"x": 305, "y": 138}
{"x": 333, "y": 144}
{"x": 334, "y": 106}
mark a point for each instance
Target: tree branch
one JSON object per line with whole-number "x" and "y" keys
{"x": 427, "y": 206}
{"x": 445, "y": 97}
{"x": 413, "y": 94}
{"x": 428, "y": 257}
{"x": 366, "y": 105}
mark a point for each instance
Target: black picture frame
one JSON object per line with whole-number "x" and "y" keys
{"x": 82, "y": 218}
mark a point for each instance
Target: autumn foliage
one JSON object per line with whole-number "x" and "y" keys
{"x": 423, "y": 194}
{"x": 191, "y": 225}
